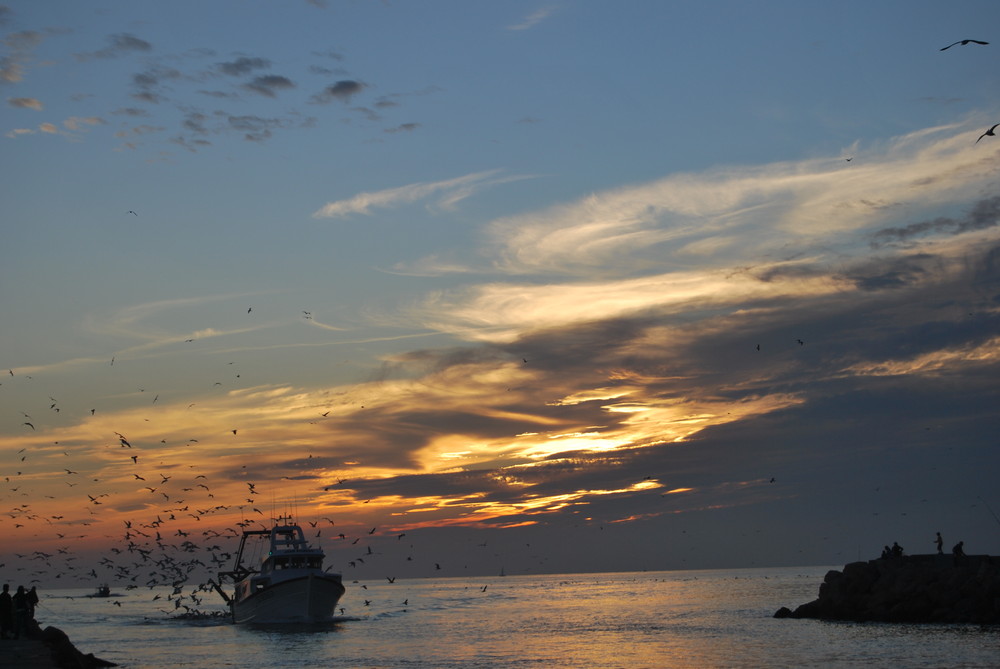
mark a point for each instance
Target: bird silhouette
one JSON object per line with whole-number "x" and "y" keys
{"x": 963, "y": 42}
{"x": 988, "y": 133}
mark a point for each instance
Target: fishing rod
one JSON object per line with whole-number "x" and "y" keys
{"x": 990, "y": 510}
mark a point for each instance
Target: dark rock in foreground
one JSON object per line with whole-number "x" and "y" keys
{"x": 46, "y": 649}
{"x": 909, "y": 589}
{"x": 66, "y": 655}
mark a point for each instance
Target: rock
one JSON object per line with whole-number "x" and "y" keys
{"x": 783, "y": 612}
{"x": 66, "y": 655}
{"x": 911, "y": 589}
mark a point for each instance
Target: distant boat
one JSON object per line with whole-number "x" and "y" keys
{"x": 289, "y": 587}
{"x": 102, "y": 591}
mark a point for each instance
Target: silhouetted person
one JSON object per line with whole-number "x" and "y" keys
{"x": 20, "y": 600}
{"x": 958, "y": 551}
{"x": 897, "y": 550}
{"x": 32, "y": 602}
{"x": 886, "y": 552}
{"x": 6, "y": 612}
{"x": 940, "y": 542}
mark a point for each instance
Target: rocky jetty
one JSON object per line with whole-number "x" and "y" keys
{"x": 66, "y": 655}
{"x": 909, "y": 589}
{"x": 46, "y": 649}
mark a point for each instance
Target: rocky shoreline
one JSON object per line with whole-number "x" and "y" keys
{"x": 48, "y": 648}
{"x": 909, "y": 589}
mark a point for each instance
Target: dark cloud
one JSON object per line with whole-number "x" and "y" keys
{"x": 148, "y": 96}
{"x": 119, "y": 44}
{"x": 140, "y": 130}
{"x": 191, "y": 145}
{"x": 985, "y": 214}
{"x": 329, "y": 53}
{"x": 131, "y": 111}
{"x": 20, "y": 45}
{"x": 342, "y": 90}
{"x": 218, "y": 94}
{"x": 23, "y": 40}
{"x": 892, "y": 272}
{"x": 255, "y": 128}
{"x": 25, "y": 103}
{"x": 150, "y": 84}
{"x": 324, "y": 71}
{"x": 243, "y": 65}
{"x": 252, "y": 127}
{"x": 267, "y": 85}
{"x": 404, "y": 127}
{"x": 368, "y": 113}
{"x": 889, "y": 383}
{"x": 195, "y": 122}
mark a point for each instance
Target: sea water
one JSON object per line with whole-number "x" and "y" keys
{"x": 719, "y": 618}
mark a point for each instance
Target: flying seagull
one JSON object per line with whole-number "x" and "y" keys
{"x": 963, "y": 42}
{"x": 988, "y": 133}
{"x": 132, "y": 212}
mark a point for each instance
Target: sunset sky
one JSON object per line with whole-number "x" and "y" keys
{"x": 546, "y": 286}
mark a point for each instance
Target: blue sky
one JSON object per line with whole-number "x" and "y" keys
{"x": 461, "y": 268}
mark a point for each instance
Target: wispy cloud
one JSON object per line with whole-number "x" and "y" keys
{"x": 268, "y": 85}
{"x": 20, "y": 46}
{"x": 25, "y": 103}
{"x": 447, "y": 194}
{"x": 726, "y": 216}
{"x": 533, "y": 19}
{"x": 118, "y": 45}
{"x": 243, "y": 65}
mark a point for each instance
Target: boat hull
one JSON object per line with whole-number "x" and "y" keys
{"x": 308, "y": 599}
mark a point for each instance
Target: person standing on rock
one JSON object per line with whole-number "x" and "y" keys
{"x": 6, "y": 612}
{"x": 32, "y": 602}
{"x": 958, "y": 551}
{"x": 940, "y": 542}
{"x": 20, "y": 600}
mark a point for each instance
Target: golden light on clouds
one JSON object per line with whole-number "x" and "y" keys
{"x": 935, "y": 363}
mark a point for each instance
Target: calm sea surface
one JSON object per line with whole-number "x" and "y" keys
{"x": 650, "y": 619}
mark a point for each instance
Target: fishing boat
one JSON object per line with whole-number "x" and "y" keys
{"x": 102, "y": 591}
{"x": 289, "y": 587}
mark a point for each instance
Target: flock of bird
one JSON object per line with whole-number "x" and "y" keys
{"x": 188, "y": 535}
